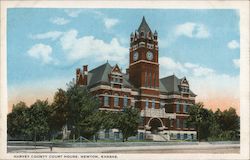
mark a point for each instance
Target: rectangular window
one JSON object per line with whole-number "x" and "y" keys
{"x": 106, "y": 100}
{"x": 185, "y": 108}
{"x": 177, "y": 123}
{"x": 178, "y": 136}
{"x": 116, "y": 100}
{"x": 153, "y": 103}
{"x": 177, "y": 108}
{"x": 171, "y": 123}
{"x": 146, "y": 106}
{"x": 146, "y": 79}
{"x": 125, "y": 101}
{"x": 185, "y": 136}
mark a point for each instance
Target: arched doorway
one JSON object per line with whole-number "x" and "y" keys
{"x": 155, "y": 123}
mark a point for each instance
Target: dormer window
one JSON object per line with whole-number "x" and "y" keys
{"x": 184, "y": 86}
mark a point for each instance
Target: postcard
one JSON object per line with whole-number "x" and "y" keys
{"x": 124, "y": 80}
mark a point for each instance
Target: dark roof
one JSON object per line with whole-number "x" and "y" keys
{"x": 144, "y": 26}
{"x": 100, "y": 75}
{"x": 171, "y": 84}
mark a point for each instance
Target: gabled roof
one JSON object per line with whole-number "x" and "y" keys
{"x": 144, "y": 26}
{"x": 101, "y": 73}
{"x": 171, "y": 84}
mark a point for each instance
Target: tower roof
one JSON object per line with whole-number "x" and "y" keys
{"x": 144, "y": 26}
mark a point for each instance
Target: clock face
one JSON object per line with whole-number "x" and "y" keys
{"x": 135, "y": 56}
{"x": 149, "y": 55}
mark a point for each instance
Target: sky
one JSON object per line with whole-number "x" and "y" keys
{"x": 45, "y": 46}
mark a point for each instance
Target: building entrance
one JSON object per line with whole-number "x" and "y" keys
{"x": 155, "y": 123}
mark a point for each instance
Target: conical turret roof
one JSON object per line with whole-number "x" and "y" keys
{"x": 144, "y": 26}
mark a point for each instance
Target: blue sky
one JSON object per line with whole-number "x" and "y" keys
{"x": 45, "y": 46}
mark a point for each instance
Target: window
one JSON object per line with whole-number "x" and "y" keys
{"x": 192, "y": 136}
{"x": 146, "y": 106}
{"x": 177, "y": 123}
{"x": 153, "y": 103}
{"x": 178, "y": 136}
{"x": 125, "y": 101}
{"x": 171, "y": 123}
{"x": 146, "y": 79}
{"x": 185, "y": 136}
{"x": 106, "y": 100}
{"x": 116, "y": 100}
{"x": 185, "y": 108}
{"x": 177, "y": 108}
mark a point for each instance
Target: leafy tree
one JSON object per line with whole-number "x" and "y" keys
{"x": 80, "y": 108}
{"x": 127, "y": 122}
{"x": 38, "y": 118}
{"x": 214, "y": 125}
{"x": 17, "y": 121}
{"x": 58, "y": 111}
{"x": 201, "y": 119}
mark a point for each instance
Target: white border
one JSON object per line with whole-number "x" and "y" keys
{"x": 243, "y": 6}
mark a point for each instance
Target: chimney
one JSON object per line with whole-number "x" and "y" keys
{"x": 85, "y": 68}
{"x": 85, "y": 75}
{"x": 78, "y": 73}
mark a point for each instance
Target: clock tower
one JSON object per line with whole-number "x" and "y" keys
{"x": 143, "y": 61}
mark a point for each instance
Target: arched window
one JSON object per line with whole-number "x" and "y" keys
{"x": 106, "y": 100}
{"x": 125, "y": 101}
{"x": 116, "y": 100}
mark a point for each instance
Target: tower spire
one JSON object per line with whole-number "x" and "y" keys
{"x": 144, "y": 26}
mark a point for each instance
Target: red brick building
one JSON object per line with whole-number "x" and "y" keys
{"x": 163, "y": 103}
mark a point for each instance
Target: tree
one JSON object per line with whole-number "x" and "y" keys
{"x": 58, "y": 112}
{"x": 229, "y": 123}
{"x": 17, "y": 121}
{"x": 80, "y": 108}
{"x": 127, "y": 122}
{"x": 38, "y": 120}
{"x": 201, "y": 119}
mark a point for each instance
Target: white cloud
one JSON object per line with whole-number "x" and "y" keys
{"x": 59, "y": 21}
{"x": 41, "y": 51}
{"x": 233, "y": 44}
{"x": 236, "y": 63}
{"x": 170, "y": 66}
{"x": 53, "y": 35}
{"x": 89, "y": 46}
{"x": 192, "y": 30}
{"x": 110, "y": 22}
{"x": 204, "y": 81}
{"x": 73, "y": 12}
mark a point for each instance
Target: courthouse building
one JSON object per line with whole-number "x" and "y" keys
{"x": 163, "y": 103}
